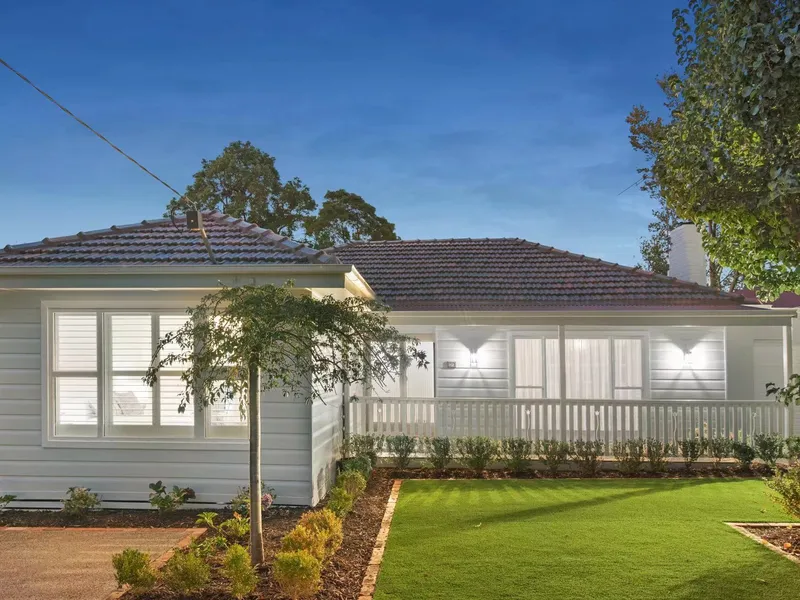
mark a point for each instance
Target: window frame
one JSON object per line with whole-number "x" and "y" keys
{"x": 611, "y": 337}
{"x": 201, "y": 430}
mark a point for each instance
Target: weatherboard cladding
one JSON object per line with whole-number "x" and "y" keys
{"x": 163, "y": 242}
{"x": 513, "y": 274}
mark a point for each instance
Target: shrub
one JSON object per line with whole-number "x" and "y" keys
{"x": 476, "y": 452}
{"x": 340, "y": 502}
{"x": 439, "y": 452}
{"x": 303, "y": 538}
{"x": 587, "y": 455}
{"x": 691, "y": 449}
{"x": 744, "y": 454}
{"x": 792, "y": 452}
{"x": 6, "y": 499}
{"x": 240, "y": 503}
{"x": 629, "y": 455}
{"x": 657, "y": 452}
{"x": 352, "y": 482}
{"x": 327, "y": 525}
{"x": 80, "y": 500}
{"x": 166, "y": 501}
{"x": 239, "y": 572}
{"x": 186, "y": 572}
{"x": 236, "y": 528}
{"x": 718, "y": 448}
{"x": 132, "y": 567}
{"x": 297, "y": 573}
{"x": 401, "y": 447}
{"x": 787, "y": 486}
{"x": 361, "y": 464}
{"x": 769, "y": 447}
{"x": 516, "y": 453}
{"x": 368, "y": 445}
{"x": 553, "y": 453}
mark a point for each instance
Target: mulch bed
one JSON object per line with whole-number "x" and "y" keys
{"x": 779, "y": 537}
{"x": 109, "y": 518}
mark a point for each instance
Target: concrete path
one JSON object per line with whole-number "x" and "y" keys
{"x": 71, "y": 564}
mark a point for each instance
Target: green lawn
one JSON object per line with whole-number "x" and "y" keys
{"x": 582, "y": 539}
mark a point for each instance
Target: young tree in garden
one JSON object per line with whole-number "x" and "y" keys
{"x": 727, "y": 154}
{"x": 244, "y": 183}
{"x": 346, "y": 217}
{"x": 240, "y": 341}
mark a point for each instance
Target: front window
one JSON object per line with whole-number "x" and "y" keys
{"x": 97, "y": 362}
{"x": 597, "y": 368}
{"x": 413, "y": 381}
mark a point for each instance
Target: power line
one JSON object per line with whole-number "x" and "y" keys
{"x": 638, "y": 181}
{"x": 114, "y": 146}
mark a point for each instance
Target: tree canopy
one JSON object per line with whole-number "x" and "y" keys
{"x": 725, "y": 157}
{"x": 244, "y": 183}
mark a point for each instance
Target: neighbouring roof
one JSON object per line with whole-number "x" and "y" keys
{"x": 514, "y": 274}
{"x": 162, "y": 242}
{"x": 785, "y": 300}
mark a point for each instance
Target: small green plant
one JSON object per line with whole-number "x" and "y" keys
{"x": 325, "y": 523}
{"x": 769, "y": 447}
{"x": 657, "y": 452}
{"x": 787, "y": 486}
{"x": 792, "y": 451}
{"x": 240, "y": 503}
{"x": 744, "y": 454}
{"x": 691, "y": 449}
{"x": 516, "y": 453}
{"x": 209, "y": 545}
{"x": 439, "y": 451}
{"x": 240, "y": 574}
{"x": 630, "y": 456}
{"x": 206, "y": 519}
{"x": 401, "y": 448}
{"x": 361, "y": 464}
{"x": 340, "y": 502}
{"x": 132, "y": 567}
{"x": 297, "y": 573}
{"x": 368, "y": 445}
{"x": 718, "y": 448}
{"x": 476, "y": 452}
{"x": 587, "y": 456}
{"x": 80, "y": 501}
{"x": 236, "y": 528}
{"x": 166, "y": 501}
{"x": 6, "y": 499}
{"x": 303, "y": 538}
{"x": 352, "y": 482}
{"x": 186, "y": 572}
{"x": 553, "y": 453}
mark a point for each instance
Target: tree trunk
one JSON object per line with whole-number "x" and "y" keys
{"x": 254, "y": 414}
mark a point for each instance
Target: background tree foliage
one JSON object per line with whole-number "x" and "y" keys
{"x": 244, "y": 183}
{"x": 241, "y": 340}
{"x": 726, "y": 156}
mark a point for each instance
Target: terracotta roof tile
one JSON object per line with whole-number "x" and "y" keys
{"x": 514, "y": 274}
{"x": 161, "y": 242}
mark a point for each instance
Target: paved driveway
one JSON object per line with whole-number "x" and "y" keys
{"x": 71, "y": 564}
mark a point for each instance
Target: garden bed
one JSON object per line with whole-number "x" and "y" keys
{"x": 116, "y": 518}
{"x": 783, "y": 538}
{"x": 341, "y": 578}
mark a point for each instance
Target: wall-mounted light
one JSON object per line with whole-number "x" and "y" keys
{"x": 687, "y": 359}
{"x": 473, "y": 359}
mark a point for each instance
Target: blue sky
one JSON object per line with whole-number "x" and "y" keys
{"x": 454, "y": 118}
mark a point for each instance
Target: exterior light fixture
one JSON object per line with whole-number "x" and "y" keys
{"x": 473, "y": 359}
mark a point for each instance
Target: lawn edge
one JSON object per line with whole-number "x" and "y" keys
{"x": 741, "y": 528}
{"x": 373, "y": 568}
{"x": 159, "y": 562}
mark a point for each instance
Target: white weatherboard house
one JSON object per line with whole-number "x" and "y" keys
{"x": 524, "y": 340}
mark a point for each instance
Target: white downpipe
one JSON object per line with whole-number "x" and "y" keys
{"x": 562, "y": 378}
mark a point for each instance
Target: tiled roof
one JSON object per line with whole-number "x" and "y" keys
{"x": 162, "y": 242}
{"x": 513, "y": 274}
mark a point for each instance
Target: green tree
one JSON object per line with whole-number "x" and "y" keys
{"x": 241, "y": 340}
{"x": 346, "y": 217}
{"x": 244, "y": 183}
{"x": 727, "y": 153}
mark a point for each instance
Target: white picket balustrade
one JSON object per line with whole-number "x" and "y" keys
{"x": 539, "y": 419}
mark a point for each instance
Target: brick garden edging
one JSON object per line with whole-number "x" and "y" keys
{"x": 158, "y": 563}
{"x": 374, "y": 566}
{"x": 741, "y": 528}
